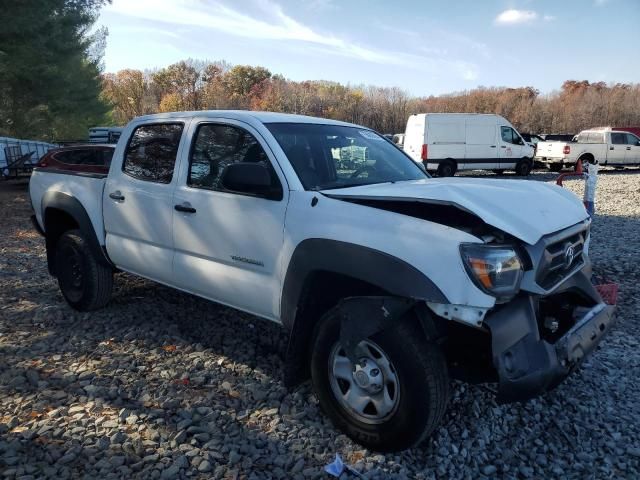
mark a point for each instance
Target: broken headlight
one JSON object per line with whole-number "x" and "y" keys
{"x": 496, "y": 269}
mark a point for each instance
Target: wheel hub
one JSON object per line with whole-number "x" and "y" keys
{"x": 367, "y": 375}
{"x": 369, "y": 389}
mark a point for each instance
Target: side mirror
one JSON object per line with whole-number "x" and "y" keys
{"x": 250, "y": 178}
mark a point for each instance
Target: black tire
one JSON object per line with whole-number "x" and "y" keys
{"x": 423, "y": 385}
{"x": 85, "y": 283}
{"x": 447, "y": 168}
{"x": 523, "y": 167}
{"x": 555, "y": 167}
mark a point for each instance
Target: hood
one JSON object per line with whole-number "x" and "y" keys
{"x": 525, "y": 209}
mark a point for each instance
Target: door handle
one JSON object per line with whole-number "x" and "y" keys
{"x": 117, "y": 195}
{"x": 185, "y": 207}
{"x": 503, "y": 146}
{"x": 611, "y": 148}
{"x": 493, "y": 146}
{"x": 628, "y": 148}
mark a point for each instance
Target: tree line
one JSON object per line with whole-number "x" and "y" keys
{"x": 52, "y": 87}
{"x": 198, "y": 85}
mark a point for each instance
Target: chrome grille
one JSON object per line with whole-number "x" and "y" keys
{"x": 560, "y": 258}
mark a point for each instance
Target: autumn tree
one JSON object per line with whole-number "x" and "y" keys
{"x": 191, "y": 85}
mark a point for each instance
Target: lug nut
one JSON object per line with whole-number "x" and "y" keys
{"x": 375, "y": 372}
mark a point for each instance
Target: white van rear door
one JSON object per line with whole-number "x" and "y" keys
{"x": 414, "y": 137}
{"x": 481, "y": 150}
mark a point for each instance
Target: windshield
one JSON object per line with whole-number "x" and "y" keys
{"x": 334, "y": 156}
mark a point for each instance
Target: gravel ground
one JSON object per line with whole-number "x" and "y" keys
{"x": 161, "y": 384}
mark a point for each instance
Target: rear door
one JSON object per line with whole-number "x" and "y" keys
{"x": 617, "y": 149}
{"x": 227, "y": 243}
{"x": 632, "y": 152}
{"x": 138, "y": 201}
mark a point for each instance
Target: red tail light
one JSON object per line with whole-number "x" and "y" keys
{"x": 425, "y": 152}
{"x": 566, "y": 150}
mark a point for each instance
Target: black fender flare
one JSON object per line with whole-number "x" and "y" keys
{"x": 394, "y": 276}
{"x": 72, "y": 207}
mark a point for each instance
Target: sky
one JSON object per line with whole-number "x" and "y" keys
{"x": 425, "y": 47}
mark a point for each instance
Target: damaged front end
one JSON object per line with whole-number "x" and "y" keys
{"x": 537, "y": 341}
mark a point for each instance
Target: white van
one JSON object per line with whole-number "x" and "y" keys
{"x": 448, "y": 142}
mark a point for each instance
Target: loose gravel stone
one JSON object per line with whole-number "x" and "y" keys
{"x": 161, "y": 384}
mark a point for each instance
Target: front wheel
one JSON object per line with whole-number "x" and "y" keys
{"x": 85, "y": 283}
{"x": 523, "y": 167}
{"x": 393, "y": 397}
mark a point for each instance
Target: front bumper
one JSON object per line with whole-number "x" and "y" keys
{"x": 527, "y": 364}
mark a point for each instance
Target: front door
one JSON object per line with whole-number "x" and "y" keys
{"x": 617, "y": 149}
{"x": 227, "y": 244}
{"x": 510, "y": 150}
{"x": 137, "y": 203}
{"x": 632, "y": 150}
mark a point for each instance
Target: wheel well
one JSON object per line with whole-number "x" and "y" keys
{"x": 586, "y": 156}
{"x": 322, "y": 290}
{"x": 56, "y": 222}
{"x": 451, "y": 160}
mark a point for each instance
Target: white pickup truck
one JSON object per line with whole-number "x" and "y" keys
{"x": 609, "y": 148}
{"x": 389, "y": 282}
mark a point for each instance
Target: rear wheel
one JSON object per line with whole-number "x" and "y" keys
{"x": 395, "y": 395}
{"x": 523, "y": 167}
{"x": 85, "y": 283}
{"x": 447, "y": 168}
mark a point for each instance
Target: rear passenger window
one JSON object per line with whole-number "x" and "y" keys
{"x": 618, "y": 138}
{"x": 152, "y": 150}
{"x": 216, "y": 146}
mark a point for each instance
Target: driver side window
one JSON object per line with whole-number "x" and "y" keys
{"x": 215, "y": 147}
{"x": 509, "y": 135}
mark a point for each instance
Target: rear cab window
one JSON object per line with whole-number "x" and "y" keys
{"x": 152, "y": 151}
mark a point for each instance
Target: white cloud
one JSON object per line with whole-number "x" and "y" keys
{"x": 548, "y": 18}
{"x": 271, "y": 23}
{"x": 515, "y": 17}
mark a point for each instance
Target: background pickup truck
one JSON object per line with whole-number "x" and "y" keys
{"x": 389, "y": 282}
{"x": 617, "y": 149}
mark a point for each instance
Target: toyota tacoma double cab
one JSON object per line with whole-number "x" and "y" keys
{"x": 389, "y": 282}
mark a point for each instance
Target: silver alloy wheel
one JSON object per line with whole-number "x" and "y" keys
{"x": 369, "y": 390}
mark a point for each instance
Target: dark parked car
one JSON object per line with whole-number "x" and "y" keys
{"x": 94, "y": 158}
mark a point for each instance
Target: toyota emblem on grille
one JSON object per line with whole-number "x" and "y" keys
{"x": 569, "y": 255}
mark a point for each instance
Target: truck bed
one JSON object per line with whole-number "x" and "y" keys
{"x": 85, "y": 187}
